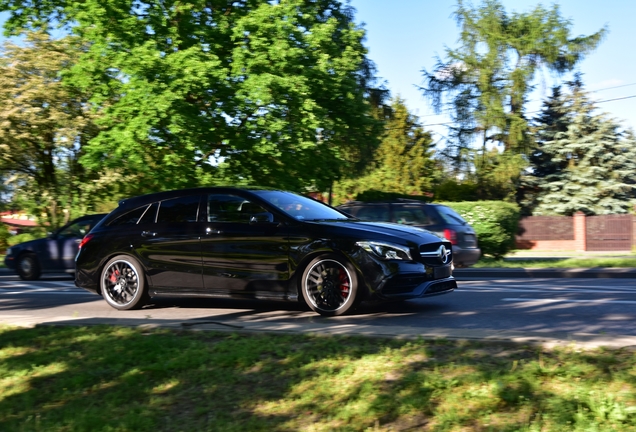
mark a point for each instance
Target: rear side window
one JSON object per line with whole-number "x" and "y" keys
{"x": 130, "y": 218}
{"x": 450, "y": 216}
{"x": 411, "y": 215}
{"x": 179, "y": 210}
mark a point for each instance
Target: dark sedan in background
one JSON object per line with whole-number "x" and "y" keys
{"x": 53, "y": 254}
{"x": 437, "y": 218}
{"x": 256, "y": 244}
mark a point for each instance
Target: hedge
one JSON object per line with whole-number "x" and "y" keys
{"x": 495, "y": 223}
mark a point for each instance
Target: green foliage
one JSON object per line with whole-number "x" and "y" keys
{"x": 5, "y": 235}
{"x": 101, "y": 378}
{"x": 485, "y": 82}
{"x": 495, "y": 222}
{"x": 195, "y": 93}
{"x": 403, "y": 163}
{"x": 585, "y": 162}
{"x": 452, "y": 190}
{"x": 44, "y": 127}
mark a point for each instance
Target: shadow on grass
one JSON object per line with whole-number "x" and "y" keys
{"x": 110, "y": 378}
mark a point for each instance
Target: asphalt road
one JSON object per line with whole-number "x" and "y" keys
{"x": 591, "y": 311}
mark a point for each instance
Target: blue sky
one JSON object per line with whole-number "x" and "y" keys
{"x": 405, "y": 36}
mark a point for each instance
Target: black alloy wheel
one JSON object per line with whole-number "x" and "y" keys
{"x": 28, "y": 267}
{"x": 123, "y": 283}
{"x": 330, "y": 285}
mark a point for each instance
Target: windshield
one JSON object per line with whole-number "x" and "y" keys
{"x": 300, "y": 207}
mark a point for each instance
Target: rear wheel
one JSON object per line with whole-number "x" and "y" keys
{"x": 28, "y": 267}
{"x": 330, "y": 285}
{"x": 123, "y": 283}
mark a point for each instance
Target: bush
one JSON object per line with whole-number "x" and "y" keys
{"x": 495, "y": 223}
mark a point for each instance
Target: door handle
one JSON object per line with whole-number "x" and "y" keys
{"x": 148, "y": 233}
{"x": 209, "y": 231}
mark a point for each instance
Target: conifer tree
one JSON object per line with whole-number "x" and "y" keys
{"x": 403, "y": 161}
{"x": 485, "y": 82}
{"x": 590, "y": 166}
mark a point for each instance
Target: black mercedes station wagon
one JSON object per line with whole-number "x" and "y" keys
{"x": 257, "y": 244}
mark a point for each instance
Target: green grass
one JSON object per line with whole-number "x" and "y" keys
{"x": 122, "y": 379}
{"x": 486, "y": 262}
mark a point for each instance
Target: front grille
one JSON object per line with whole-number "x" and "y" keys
{"x": 431, "y": 257}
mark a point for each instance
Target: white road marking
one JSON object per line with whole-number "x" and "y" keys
{"x": 565, "y": 300}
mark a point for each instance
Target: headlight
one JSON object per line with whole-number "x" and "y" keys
{"x": 386, "y": 251}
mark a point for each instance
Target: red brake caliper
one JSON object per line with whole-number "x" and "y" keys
{"x": 344, "y": 283}
{"x": 113, "y": 276}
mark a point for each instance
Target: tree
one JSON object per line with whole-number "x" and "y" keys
{"x": 44, "y": 128}
{"x": 274, "y": 93}
{"x": 587, "y": 163}
{"x": 485, "y": 82}
{"x": 403, "y": 162}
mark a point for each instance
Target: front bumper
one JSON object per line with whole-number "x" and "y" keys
{"x": 402, "y": 280}
{"x": 10, "y": 262}
{"x": 425, "y": 288}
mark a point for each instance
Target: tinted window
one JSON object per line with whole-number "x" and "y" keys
{"x": 378, "y": 213}
{"x": 130, "y": 218}
{"x": 300, "y": 207}
{"x": 411, "y": 215}
{"x": 178, "y": 210}
{"x": 150, "y": 216}
{"x": 231, "y": 208}
{"x": 76, "y": 229}
{"x": 450, "y": 216}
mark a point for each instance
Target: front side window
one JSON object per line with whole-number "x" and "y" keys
{"x": 179, "y": 210}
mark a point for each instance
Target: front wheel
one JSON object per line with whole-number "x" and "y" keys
{"x": 330, "y": 285}
{"x": 28, "y": 267}
{"x": 123, "y": 283}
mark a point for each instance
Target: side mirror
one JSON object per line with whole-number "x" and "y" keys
{"x": 261, "y": 218}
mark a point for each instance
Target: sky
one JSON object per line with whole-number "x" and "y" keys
{"x": 406, "y": 36}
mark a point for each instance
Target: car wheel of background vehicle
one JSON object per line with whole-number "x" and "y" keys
{"x": 123, "y": 283}
{"x": 28, "y": 267}
{"x": 330, "y": 285}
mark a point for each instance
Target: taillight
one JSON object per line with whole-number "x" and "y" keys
{"x": 450, "y": 235}
{"x": 85, "y": 240}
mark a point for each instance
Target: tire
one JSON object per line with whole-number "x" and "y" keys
{"x": 28, "y": 267}
{"x": 123, "y": 284}
{"x": 330, "y": 285}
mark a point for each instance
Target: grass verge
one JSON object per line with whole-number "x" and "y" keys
{"x": 122, "y": 379}
{"x": 486, "y": 262}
